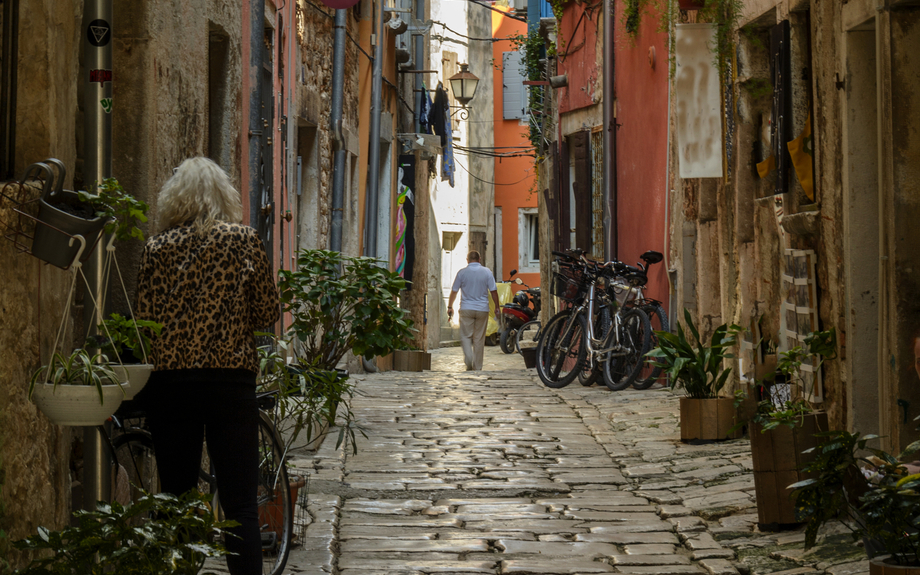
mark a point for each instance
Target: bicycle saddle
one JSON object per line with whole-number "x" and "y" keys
{"x": 651, "y": 257}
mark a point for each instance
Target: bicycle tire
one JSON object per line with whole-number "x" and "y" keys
{"x": 659, "y": 322}
{"x": 528, "y": 334}
{"x": 560, "y": 360}
{"x": 135, "y": 466}
{"x": 276, "y": 509}
{"x": 588, "y": 377}
{"x": 506, "y": 340}
{"x": 635, "y": 334}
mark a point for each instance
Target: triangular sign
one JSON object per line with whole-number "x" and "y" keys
{"x": 99, "y": 32}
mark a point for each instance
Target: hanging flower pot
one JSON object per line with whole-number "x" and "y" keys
{"x": 135, "y": 374}
{"x": 61, "y": 216}
{"x": 78, "y": 405}
{"x": 691, "y": 4}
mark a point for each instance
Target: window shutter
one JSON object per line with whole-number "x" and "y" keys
{"x": 513, "y": 92}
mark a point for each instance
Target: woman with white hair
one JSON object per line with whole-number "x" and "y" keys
{"x": 207, "y": 280}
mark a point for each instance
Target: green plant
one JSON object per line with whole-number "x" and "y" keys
{"x": 774, "y": 411}
{"x": 758, "y": 88}
{"x": 885, "y": 511}
{"x": 339, "y": 303}
{"x": 79, "y": 368}
{"x": 123, "y": 211}
{"x": 176, "y": 539}
{"x": 694, "y": 365}
{"x": 119, "y": 336}
{"x": 533, "y": 47}
{"x": 309, "y": 400}
{"x": 724, "y": 14}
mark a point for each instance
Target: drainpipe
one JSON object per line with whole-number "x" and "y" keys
{"x": 256, "y": 27}
{"x": 373, "y": 166}
{"x": 610, "y": 135}
{"x": 97, "y": 162}
{"x": 335, "y": 124}
{"x": 417, "y": 59}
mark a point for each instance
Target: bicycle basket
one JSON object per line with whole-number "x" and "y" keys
{"x": 569, "y": 284}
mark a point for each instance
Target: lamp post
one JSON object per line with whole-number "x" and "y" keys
{"x": 463, "y": 84}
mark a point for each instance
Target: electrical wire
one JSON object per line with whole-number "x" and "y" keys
{"x": 505, "y": 14}
{"x": 525, "y": 178}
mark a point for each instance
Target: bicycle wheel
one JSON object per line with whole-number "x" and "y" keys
{"x": 135, "y": 467}
{"x": 634, "y": 333}
{"x": 527, "y": 335}
{"x": 589, "y": 375}
{"x": 276, "y": 508}
{"x": 507, "y": 339}
{"x": 561, "y": 350}
{"x": 659, "y": 321}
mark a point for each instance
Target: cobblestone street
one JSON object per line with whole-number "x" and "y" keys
{"x": 492, "y": 472}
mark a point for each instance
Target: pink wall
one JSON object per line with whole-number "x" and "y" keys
{"x": 514, "y": 177}
{"x": 642, "y": 147}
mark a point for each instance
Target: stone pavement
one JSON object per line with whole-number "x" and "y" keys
{"x": 493, "y": 473}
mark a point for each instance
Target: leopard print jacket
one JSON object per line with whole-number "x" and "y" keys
{"x": 210, "y": 292}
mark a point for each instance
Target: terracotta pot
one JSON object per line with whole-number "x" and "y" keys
{"x": 270, "y": 513}
{"x": 530, "y": 357}
{"x": 691, "y": 4}
{"x": 879, "y": 566}
{"x": 777, "y": 460}
{"x": 411, "y": 360}
{"x": 707, "y": 419}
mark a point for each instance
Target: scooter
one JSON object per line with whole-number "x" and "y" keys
{"x": 524, "y": 307}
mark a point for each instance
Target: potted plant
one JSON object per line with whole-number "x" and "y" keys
{"x": 340, "y": 304}
{"x": 126, "y": 342}
{"x": 871, "y": 492}
{"x": 78, "y": 389}
{"x": 63, "y": 214}
{"x": 699, "y": 369}
{"x": 178, "y": 534}
{"x": 785, "y": 429}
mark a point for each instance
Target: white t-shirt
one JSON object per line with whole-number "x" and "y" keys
{"x": 475, "y": 281}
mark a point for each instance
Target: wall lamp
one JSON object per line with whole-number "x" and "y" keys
{"x": 463, "y": 84}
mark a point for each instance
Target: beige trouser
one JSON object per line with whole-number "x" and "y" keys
{"x": 473, "y": 336}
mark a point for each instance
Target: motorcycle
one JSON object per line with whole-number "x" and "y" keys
{"x": 524, "y": 307}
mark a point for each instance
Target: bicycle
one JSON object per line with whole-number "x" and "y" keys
{"x": 133, "y": 451}
{"x": 628, "y": 289}
{"x": 527, "y": 335}
{"x": 571, "y": 338}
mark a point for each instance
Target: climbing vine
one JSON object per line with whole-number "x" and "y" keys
{"x": 533, "y": 47}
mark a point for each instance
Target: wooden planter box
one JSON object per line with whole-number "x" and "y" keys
{"x": 778, "y": 458}
{"x": 690, "y": 4}
{"x": 411, "y": 360}
{"x": 878, "y": 566}
{"x": 707, "y": 419}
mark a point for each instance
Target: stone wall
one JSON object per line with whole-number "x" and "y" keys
{"x": 34, "y": 454}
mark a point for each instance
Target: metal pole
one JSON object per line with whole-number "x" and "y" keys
{"x": 419, "y": 61}
{"x": 97, "y": 165}
{"x": 610, "y": 136}
{"x": 256, "y": 127}
{"x": 373, "y": 166}
{"x": 338, "y": 140}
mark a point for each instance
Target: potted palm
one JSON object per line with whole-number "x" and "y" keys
{"x": 871, "y": 492}
{"x": 78, "y": 389}
{"x": 785, "y": 429}
{"x": 699, "y": 369}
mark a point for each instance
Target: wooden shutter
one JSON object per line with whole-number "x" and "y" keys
{"x": 781, "y": 124}
{"x": 584, "y": 199}
{"x": 513, "y": 91}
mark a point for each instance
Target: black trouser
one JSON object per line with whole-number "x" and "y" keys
{"x": 180, "y": 411}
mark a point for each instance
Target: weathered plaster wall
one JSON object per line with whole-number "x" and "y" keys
{"x": 34, "y": 454}
{"x": 578, "y": 56}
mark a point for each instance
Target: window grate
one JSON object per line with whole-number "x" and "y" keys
{"x": 597, "y": 193}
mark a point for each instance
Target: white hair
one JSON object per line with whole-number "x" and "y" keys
{"x": 200, "y": 192}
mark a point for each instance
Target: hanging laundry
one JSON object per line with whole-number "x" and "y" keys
{"x": 424, "y": 114}
{"x": 440, "y": 122}
{"x": 405, "y": 219}
{"x": 801, "y": 150}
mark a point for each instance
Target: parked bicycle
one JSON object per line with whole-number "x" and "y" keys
{"x": 581, "y": 337}
{"x": 135, "y": 469}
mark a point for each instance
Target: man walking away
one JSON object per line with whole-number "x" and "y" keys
{"x": 476, "y": 282}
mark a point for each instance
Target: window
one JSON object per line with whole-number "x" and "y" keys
{"x": 529, "y": 240}
{"x": 514, "y": 96}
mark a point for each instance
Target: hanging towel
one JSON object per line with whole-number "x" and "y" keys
{"x": 424, "y": 114}
{"x": 441, "y": 123}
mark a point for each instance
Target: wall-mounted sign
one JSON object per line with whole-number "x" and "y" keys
{"x": 98, "y": 33}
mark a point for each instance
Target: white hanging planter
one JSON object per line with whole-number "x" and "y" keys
{"x": 136, "y": 374}
{"x": 78, "y": 405}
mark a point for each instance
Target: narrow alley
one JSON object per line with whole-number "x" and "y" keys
{"x": 491, "y": 472}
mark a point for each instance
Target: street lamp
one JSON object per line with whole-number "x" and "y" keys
{"x": 463, "y": 84}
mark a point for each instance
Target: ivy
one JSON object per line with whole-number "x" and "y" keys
{"x": 533, "y": 47}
